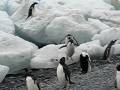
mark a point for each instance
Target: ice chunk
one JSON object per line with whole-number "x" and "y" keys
{"x": 6, "y": 23}
{"x": 98, "y": 24}
{"x": 49, "y": 56}
{"x": 110, "y": 17}
{"x": 107, "y": 35}
{"x": 3, "y": 71}
{"x": 62, "y": 26}
{"x": 15, "y": 52}
{"x": 93, "y": 48}
{"x": 3, "y": 5}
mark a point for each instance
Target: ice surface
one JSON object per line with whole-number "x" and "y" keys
{"x": 3, "y": 71}
{"x": 98, "y": 24}
{"x": 110, "y": 16}
{"x": 107, "y": 35}
{"x": 6, "y": 24}
{"x": 93, "y": 48}
{"x": 15, "y": 52}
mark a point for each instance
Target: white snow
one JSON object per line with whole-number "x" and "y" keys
{"x": 107, "y": 35}
{"x": 15, "y": 52}
{"x": 3, "y": 71}
{"x": 6, "y": 24}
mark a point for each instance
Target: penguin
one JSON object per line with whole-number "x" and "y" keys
{"x": 68, "y": 37}
{"x": 85, "y": 62}
{"x": 31, "y": 82}
{"x": 31, "y": 10}
{"x": 107, "y": 50}
{"x": 117, "y": 80}
{"x": 70, "y": 49}
{"x": 63, "y": 73}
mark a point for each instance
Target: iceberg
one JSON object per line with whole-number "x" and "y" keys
{"x": 6, "y": 24}
{"x": 15, "y": 52}
{"x": 3, "y": 72}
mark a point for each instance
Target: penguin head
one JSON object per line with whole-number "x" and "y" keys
{"x": 62, "y": 61}
{"x": 118, "y": 67}
{"x": 35, "y": 3}
{"x": 70, "y": 40}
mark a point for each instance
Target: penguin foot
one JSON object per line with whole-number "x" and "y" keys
{"x": 71, "y": 82}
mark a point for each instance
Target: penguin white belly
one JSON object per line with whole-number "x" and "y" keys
{"x": 70, "y": 50}
{"x": 118, "y": 80}
{"x": 30, "y": 84}
{"x": 61, "y": 74}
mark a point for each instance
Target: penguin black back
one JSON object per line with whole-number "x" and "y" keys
{"x": 118, "y": 67}
{"x": 31, "y": 9}
{"x": 107, "y": 50}
{"x": 84, "y": 63}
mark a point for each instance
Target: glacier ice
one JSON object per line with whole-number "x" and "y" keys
{"x": 107, "y": 35}
{"x": 6, "y": 24}
{"x": 3, "y": 72}
{"x": 38, "y": 28}
{"x": 15, "y": 52}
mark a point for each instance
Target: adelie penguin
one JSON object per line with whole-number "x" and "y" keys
{"x": 117, "y": 81}
{"x": 108, "y": 49}
{"x": 85, "y": 62}
{"x": 30, "y": 12}
{"x": 31, "y": 81}
{"x": 70, "y": 49}
{"x": 63, "y": 73}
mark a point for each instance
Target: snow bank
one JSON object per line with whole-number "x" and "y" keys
{"x": 6, "y": 23}
{"x": 3, "y": 71}
{"x": 49, "y": 56}
{"x": 107, "y": 35}
{"x": 15, "y": 52}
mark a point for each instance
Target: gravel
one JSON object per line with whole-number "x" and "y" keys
{"x": 101, "y": 77}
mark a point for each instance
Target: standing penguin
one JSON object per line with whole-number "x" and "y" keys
{"x": 63, "y": 73}
{"x": 31, "y": 81}
{"x": 30, "y": 12}
{"x": 117, "y": 81}
{"x": 107, "y": 50}
{"x": 70, "y": 49}
{"x": 85, "y": 62}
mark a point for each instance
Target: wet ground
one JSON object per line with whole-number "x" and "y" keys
{"x": 101, "y": 77}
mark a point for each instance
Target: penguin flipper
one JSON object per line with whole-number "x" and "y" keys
{"x": 38, "y": 85}
{"x": 62, "y": 46}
